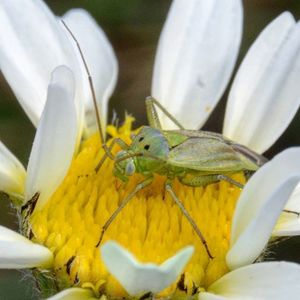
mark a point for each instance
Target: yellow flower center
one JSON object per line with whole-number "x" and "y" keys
{"x": 151, "y": 226}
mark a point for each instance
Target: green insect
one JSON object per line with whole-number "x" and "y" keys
{"x": 195, "y": 158}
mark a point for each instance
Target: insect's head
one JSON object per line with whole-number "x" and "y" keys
{"x": 146, "y": 154}
{"x": 124, "y": 167}
{"x": 150, "y": 148}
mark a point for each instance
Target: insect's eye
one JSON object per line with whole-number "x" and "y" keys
{"x": 147, "y": 147}
{"x": 141, "y": 138}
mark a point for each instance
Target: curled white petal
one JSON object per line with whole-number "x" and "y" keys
{"x": 265, "y": 94}
{"x": 196, "y": 54}
{"x": 260, "y": 204}
{"x": 263, "y": 281}
{"x": 32, "y": 44}
{"x": 73, "y": 294}
{"x": 100, "y": 58}
{"x": 55, "y": 140}
{"x": 138, "y": 277}
{"x": 17, "y": 252}
{"x": 12, "y": 172}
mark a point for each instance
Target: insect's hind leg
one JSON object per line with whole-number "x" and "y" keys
{"x": 153, "y": 116}
{"x": 124, "y": 202}
{"x": 203, "y": 180}
{"x": 230, "y": 180}
{"x": 200, "y": 180}
{"x": 170, "y": 190}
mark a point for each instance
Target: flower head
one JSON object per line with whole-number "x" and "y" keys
{"x": 65, "y": 201}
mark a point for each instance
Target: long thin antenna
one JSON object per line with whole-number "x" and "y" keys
{"x": 90, "y": 83}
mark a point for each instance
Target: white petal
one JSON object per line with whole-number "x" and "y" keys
{"x": 196, "y": 54}
{"x": 289, "y": 223}
{"x": 73, "y": 294}
{"x": 12, "y": 172}
{"x": 32, "y": 44}
{"x": 265, "y": 94}
{"x": 100, "y": 58}
{"x": 263, "y": 281}
{"x": 55, "y": 140}
{"x": 138, "y": 277}
{"x": 260, "y": 205}
{"x": 17, "y": 252}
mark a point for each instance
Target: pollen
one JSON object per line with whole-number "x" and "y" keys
{"x": 151, "y": 226}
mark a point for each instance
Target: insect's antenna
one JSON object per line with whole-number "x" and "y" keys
{"x": 90, "y": 83}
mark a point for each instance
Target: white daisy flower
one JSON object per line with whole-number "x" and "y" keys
{"x": 64, "y": 203}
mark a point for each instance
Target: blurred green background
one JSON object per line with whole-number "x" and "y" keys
{"x": 133, "y": 27}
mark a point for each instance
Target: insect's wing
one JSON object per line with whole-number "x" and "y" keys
{"x": 209, "y": 155}
{"x": 258, "y": 159}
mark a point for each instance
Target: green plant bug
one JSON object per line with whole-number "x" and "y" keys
{"x": 195, "y": 158}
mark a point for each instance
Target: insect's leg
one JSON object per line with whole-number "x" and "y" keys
{"x": 153, "y": 116}
{"x": 203, "y": 180}
{"x": 169, "y": 189}
{"x": 297, "y": 213}
{"x": 230, "y": 180}
{"x": 124, "y": 202}
{"x": 200, "y": 180}
{"x": 118, "y": 141}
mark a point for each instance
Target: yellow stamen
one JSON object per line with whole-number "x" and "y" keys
{"x": 151, "y": 226}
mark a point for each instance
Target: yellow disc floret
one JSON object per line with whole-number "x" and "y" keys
{"x": 151, "y": 226}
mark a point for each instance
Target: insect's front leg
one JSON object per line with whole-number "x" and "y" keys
{"x": 170, "y": 190}
{"x": 108, "y": 152}
{"x": 124, "y": 202}
{"x": 152, "y": 115}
